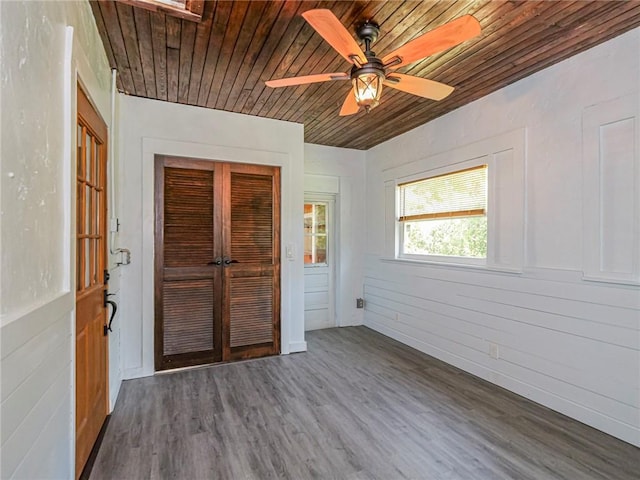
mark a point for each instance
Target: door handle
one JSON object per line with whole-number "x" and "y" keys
{"x": 228, "y": 261}
{"x": 114, "y": 309}
{"x": 217, "y": 261}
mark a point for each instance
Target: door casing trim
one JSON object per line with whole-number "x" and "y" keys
{"x": 289, "y": 230}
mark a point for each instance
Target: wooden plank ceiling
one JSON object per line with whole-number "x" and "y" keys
{"x": 223, "y": 61}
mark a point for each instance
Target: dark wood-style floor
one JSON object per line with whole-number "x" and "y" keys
{"x": 357, "y": 405}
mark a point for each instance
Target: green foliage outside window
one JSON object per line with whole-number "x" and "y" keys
{"x": 460, "y": 237}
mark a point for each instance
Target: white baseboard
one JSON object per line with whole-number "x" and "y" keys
{"x": 295, "y": 347}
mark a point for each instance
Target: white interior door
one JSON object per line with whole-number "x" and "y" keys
{"x": 319, "y": 262}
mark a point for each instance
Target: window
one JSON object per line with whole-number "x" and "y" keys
{"x": 444, "y": 215}
{"x": 315, "y": 233}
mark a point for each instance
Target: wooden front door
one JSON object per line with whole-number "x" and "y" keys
{"x": 91, "y": 315}
{"x": 217, "y": 261}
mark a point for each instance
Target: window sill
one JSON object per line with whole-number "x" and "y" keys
{"x": 462, "y": 266}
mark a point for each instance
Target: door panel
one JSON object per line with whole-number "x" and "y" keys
{"x": 252, "y": 285}
{"x": 217, "y": 261}
{"x": 90, "y": 338}
{"x": 188, "y": 323}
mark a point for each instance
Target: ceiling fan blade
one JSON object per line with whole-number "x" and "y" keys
{"x": 439, "y": 39}
{"x": 320, "y": 77}
{"x": 349, "y": 107}
{"x": 418, "y": 86}
{"x": 329, "y": 27}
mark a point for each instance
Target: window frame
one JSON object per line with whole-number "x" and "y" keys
{"x": 326, "y": 233}
{"x": 440, "y": 172}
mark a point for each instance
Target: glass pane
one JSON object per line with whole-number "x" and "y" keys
{"x": 308, "y": 218}
{"x": 98, "y": 212}
{"x": 79, "y": 203}
{"x": 315, "y": 249}
{"x": 87, "y": 156}
{"x": 96, "y": 162}
{"x": 96, "y": 264}
{"x": 321, "y": 249}
{"x": 321, "y": 218}
{"x": 87, "y": 262}
{"x": 79, "y": 157}
{"x": 308, "y": 250}
{"x": 460, "y": 237}
{"x": 79, "y": 254}
{"x": 87, "y": 210}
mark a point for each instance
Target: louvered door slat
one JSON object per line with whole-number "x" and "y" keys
{"x": 188, "y": 316}
{"x": 251, "y": 311}
{"x": 188, "y": 217}
{"x": 251, "y": 218}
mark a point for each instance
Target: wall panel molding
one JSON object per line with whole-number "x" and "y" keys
{"x": 611, "y": 191}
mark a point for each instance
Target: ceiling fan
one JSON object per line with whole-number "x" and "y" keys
{"x": 370, "y": 72}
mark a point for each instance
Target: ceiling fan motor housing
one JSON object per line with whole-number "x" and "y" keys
{"x": 373, "y": 65}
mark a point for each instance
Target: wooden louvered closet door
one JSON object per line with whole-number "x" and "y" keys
{"x": 252, "y": 285}
{"x": 217, "y": 265}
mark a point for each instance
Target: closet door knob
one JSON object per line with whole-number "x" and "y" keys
{"x": 217, "y": 261}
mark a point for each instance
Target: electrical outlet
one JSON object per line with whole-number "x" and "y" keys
{"x": 494, "y": 351}
{"x": 359, "y": 302}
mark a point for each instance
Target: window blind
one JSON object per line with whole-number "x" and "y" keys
{"x": 457, "y": 194}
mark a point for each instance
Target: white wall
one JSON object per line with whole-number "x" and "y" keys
{"x": 346, "y": 169}
{"x": 40, "y": 58}
{"x": 151, "y": 127}
{"x": 564, "y": 340}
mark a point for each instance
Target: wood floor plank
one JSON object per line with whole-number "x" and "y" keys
{"x": 357, "y": 405}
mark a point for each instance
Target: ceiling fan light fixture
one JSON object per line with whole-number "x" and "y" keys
{"x": 367, "y": 82}
{"x": 367, "y": 88}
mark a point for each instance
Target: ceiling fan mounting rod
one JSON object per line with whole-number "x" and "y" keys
{"x": 368, "y": 32}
